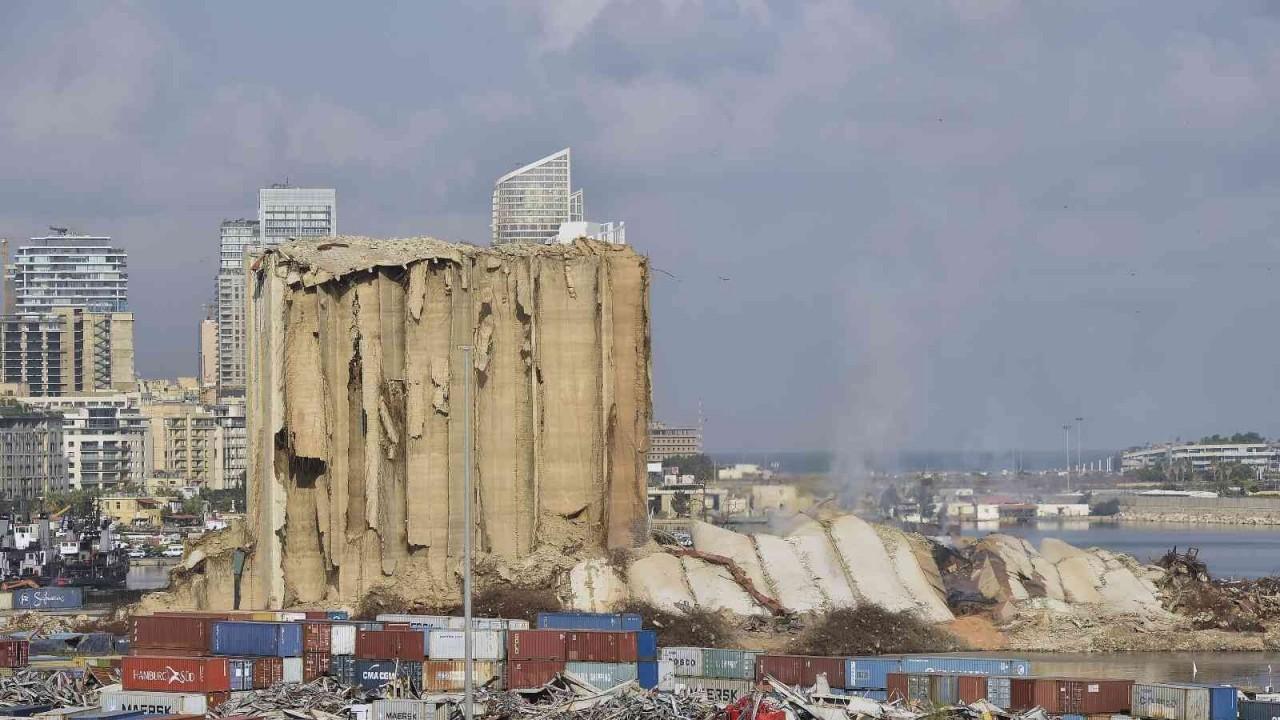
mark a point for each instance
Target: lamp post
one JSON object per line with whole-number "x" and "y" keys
{"x": 1066, "y": 432}
{"x": 1079, "y": 442}
{"x": 468, "y": 680}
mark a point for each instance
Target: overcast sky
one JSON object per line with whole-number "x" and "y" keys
{"x": 948, "y": 225}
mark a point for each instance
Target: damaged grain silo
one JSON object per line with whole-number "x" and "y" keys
{"x": 355, "y": 430}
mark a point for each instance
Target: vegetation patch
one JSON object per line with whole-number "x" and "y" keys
{"x": 871, "y": 630}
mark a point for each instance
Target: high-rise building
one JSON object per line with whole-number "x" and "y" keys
{"x": 288, "y": 212}
{"x": 531, "y": 202}
{"x": 67, "y": 352}
{"x": 208, "y": 375}
{"x": 31, "y": 461}
{"x": 185, "y": 442}
{"x": 64, "y": 270}
{"x": 283, "y": 212}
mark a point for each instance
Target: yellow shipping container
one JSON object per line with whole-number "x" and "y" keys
{"x": 448, "y": 675}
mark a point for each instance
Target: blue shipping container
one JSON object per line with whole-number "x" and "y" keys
{"x": 870, "y": 673}
{"x": 1004, "y": 667}
{"x": 1222, "y": 702}
{"x": 373, "y": 674}
{"x": 620, "y": 622}
{"x": 24, "y": 710}
{"x": 235, "y": 637}
{"x": 343, "y": 668}
{"x": 48, "y": 598}
{"x": 112, "y": 715}
{"x": 647, "y": 645}
{"x": 647, "y": 675}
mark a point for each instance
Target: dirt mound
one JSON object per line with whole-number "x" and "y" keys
{"x": 871, "y": 630}
{"x": 696, "y": 627}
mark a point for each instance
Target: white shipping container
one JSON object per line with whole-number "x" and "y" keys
{"x": 342, "y": 640}
{"x": 717, "y": 690}
{"x": 451, "y": 645}
{"x": 404, "y": 710}
{"x": 65, "y": 712}
{"x": 602, "y": 675}
{"x": 432, "y": 621}
{"x": 293, "y": 669}
{"x": 154, "y": 703}
{"x": 667, "y": 676}
{"x": 6, "y": 600}
{"x": 361, "y": 711}
{"x": 293, "y": 616}
{"x": 453, "y": 622}
{"x": 1170, "y": 702}
{"x": 687, "y": 660}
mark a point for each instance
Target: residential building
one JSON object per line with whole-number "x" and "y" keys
{"x": 62, "y": 270}
{"x": 234, "y": 448}
{"x": 208, "y": 369}
{"x": 32, "y": 464}
{"x": 668, "y": 441}
{"x": 134, "y": 511}
{"x": 106, "y": 440}
{"x": 1201, "y": 456}
{"x": 288, "y": 212}
{"x": 185, "y": 442}
{"x": 530, "y": 203}
{"x": 68, "y": 351}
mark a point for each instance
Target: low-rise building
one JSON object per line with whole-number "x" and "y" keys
{"x": 774, "y": 498}
{"x": 32, "y": 464}
{"x": 743, "y": 471}
{"x": 668, "y": 441}
{"x": 690, "y": 501}
{"x": 1201, "y": 456}
{"x": 1054, "y": 510}
{"x": 133, "y": 510}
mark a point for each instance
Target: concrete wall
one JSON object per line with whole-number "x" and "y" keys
{"x": 355, "y": 410}
{"x": 1227, "y": 511}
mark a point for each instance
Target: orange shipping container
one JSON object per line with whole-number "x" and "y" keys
{"x": 175, "y": 674}
{"x": 800, "y": 670}
{"x": 607, "y": 647}
{"x": 317, "y": 637}
{"x": 971, "y": 688}
{"x": 267, "y": 671}
{"x": 536, "y": 645}
{"x": 391, "y": 645}
{"x": 315, "y": 665}
{"x": 1060, "y": 696}
{"x": 177, "y": 632}
{"x": 529, "y": 674}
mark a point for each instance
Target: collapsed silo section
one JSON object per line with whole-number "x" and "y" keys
{"x": 355, "y": 419}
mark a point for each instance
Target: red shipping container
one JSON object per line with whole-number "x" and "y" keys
{"x": 317, "y": 637}
{"x": 396, "y": 626}
{"x": 895, "y": 682}
{"x": 315, "y": 665}
{"x": 14, "y": 653}
{"x": 179, "y": 632}
{"x": 536, "y": 645}
{"x": 607, "y": 647}
{"x": 1083, "y": 697}
{"x": 528, "y": 674}
{"x": 391, "y": 645}
{"x": 316, "y": 614}
{"x": 267, "y": 671}
{"x": 175, "y": 674}
{"x": 1022, "y": 693}
{"x": 971, "y": 688}
{"x": 800, "y": 670}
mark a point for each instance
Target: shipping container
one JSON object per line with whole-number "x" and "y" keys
{"x": 729, "y": 664}
{"x": 315, "y": 665}
{"x": 451, "y": 644}
{"x": 235, "y": 637}
{"x": 944, "y": 689}
{"x": 528, "y": 674}
{"x": 647, "y": 646}
{"x": 343, "y": 668}
{"x": 373, "y": 674}
{"x": 619, "y": 622}
{"x": 1184, "y": 701}
{"x": 1007, "y": 667}
{"x": 391, "y": 645}
{"x": 171, "y": 631}
{"x": 293, "y": 669}
{"x": 717, "y": 690}
{"x": 603, "y": 647}
{"x": 67, "y": 711}
{"x": 1259, "y": 710}
{"x": 407, "y": 710}
{"x": 317, "y": 637}
{"x": 266, "y": 616}
{"x": 175, "y": 674}
{"x": 339, "y": 615}
{"x": 535, "y": 645}
{"x": 267, "y": 671}
{"x": 453, "y": 622}
{"x": 1061, "y": 696}
{"x": 999, "y": 692}
{"x": 25, "y": 710}
{"x": 369, "y": 626}
{"x": 602, "y": 675}
{"x": 48, "y": 598}
{"x": 100, "y": 714}
{"x": 647, "y": 674}
{"x": 241, "y": 671}
{"x": 971, "y": 688}
{"x": 342, "y": 639}
{"x": 14, "y": 653}
{"x": 870, "y": 672}
{"x": 161, "y": 703}
{"x": 443, "y": 676}
{"x": 800, "y": 670}
{"x": 687, "y": 660}
{"x": 6, "y": 600}
{"x": 293, "y": 616}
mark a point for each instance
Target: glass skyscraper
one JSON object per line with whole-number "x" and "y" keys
{"x": 530, "y": 203}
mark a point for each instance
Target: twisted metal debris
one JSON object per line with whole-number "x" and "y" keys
{"x": 59, "y": 688}
{"x": 317, "y": 700}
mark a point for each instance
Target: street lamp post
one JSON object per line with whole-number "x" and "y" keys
{"x": 468, "y": 680}
{"x": 1079, "y": 444}
{"x": 1066, "y": 432}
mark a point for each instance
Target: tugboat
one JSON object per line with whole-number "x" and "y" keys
{"x": 68, "y": 551}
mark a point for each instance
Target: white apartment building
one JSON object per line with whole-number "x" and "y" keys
{"x": 106, "y": 439}
{"x": 233, "y": 437}
{"x": 530, "y": 203}
{"x": 62, "y": 270}
{"x": 1201, "y": 456}
{"x": 667, "y": 441}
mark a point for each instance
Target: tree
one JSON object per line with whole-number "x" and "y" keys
{"x": 680, "y": 504}
{"x": 925, "y": 485}
{"x": 700, "y": 466}
{"x": 889, "y": 500}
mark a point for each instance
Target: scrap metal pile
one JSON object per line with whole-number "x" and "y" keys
{"x": 1238, "y": 605}
{"x": 39, "y": 687}
{"x": 320, "y": 699}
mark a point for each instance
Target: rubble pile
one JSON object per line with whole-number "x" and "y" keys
{"x": 33, "y": 625}
{"x": 568, "y": 697}
{"x": 41, "y": 687}
{"x": 1235, "y": 605}
{"x": 319, "y": 699}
